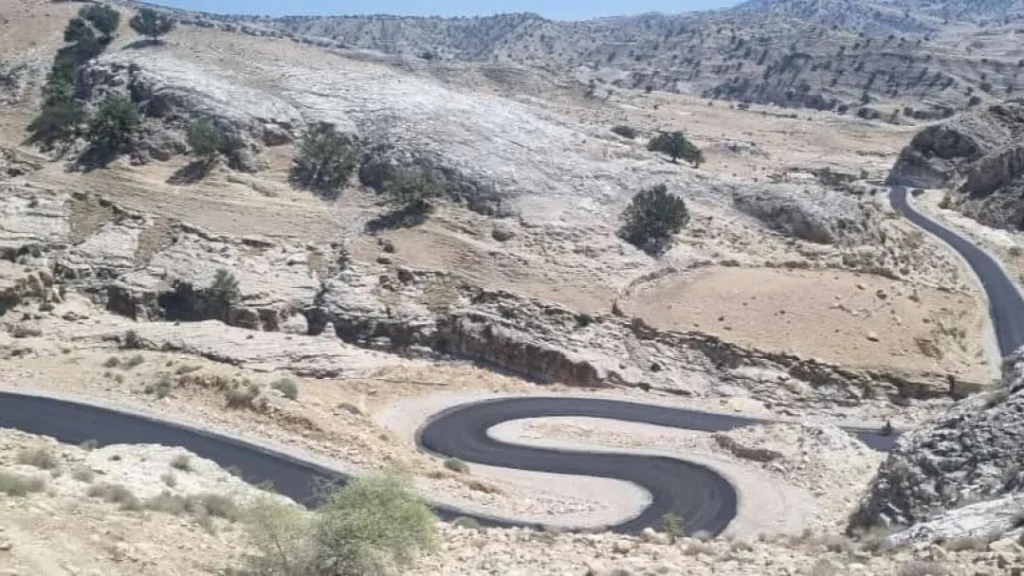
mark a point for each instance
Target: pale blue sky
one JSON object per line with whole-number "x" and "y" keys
{"x": 562, "y": 10}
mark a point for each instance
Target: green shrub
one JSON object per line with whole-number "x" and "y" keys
{"x": 162, "y": 388}
{"x": 104, "y": 18}
{"x": 78, "y": 30}
{"x": 152, "y": 24}
{"x": 652, "y": 218}
{"x": 672, "y": 525}
{"x": 224, "y": 290}
{"x": 468, "y": 523}
{"x": 456, "y": 465}
{"x": 325, "y": 160}
{"x": 411, "y": 191}
{"x": 113, "y": 127}
{"x": 60, "y": 121}
{"x": 625, "y": 131}
{"x": 205, "y": 140}
{"x": 42, "y": 458}
{"x": 243, "y": 396}
{"x": 134, "y": 362}
{"x": 83, "y": 474}
{"x": 89, "y": 445}
{"x": 168, "y": 503}
{"x": 287, "y": 387}
{"x": 219, "y": 506}
{"x": 112, "y": 362}
{"x": 20, "y": 486}
{"x": 131, "y": 340}
{"x": 280, "y": 533}
{"x": 676, "y": 145}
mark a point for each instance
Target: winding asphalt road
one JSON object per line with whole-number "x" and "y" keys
{"x": 1005, "y": 305}
{"x": 703, "y": 498}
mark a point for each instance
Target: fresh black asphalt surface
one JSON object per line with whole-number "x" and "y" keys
{"x": 1005, "y": 306}
{"x": 701, "y": 497}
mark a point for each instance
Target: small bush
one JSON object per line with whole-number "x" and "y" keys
{"x": 151, "y": 24}
{"x": 652, "y": 218}
{"x": 187, "y": 369}
{"x": 287, "y": 387}
{"x": 966, "y": 543}
{"x": 411, "y": 191}
{"x": 468, "y": 523}
{"x": 162, "y": 388}
{"x": 131, "y": 340}
{"x": 676, "y": 145}
{"x": 325, "y": 160}
{"x": 182, "y": 462}
{"x": 59, "y": 122}
{"x": 134, "y": 362}
{"x": 83, "y": 474}
{"x": 205, "y": 140}
{"x": 113, "y": 127}
{"x": 116, "y": 494}
{"x": 219, "y": 506}
{"x": 112, "y": 362}
{"x": 456, "y": 465}
{"x": 169, "y": 479}
{"x": 242, "y": 396}
{"x": 168, "y": 503}
{"x": 672, "y": 525}
{"x": 281, "y": 533}
{"x": 42, "y": 458}
{"x": 20, "y": 486}
{"x": 89, "y": 445}
{"x": 625, "y": 131}
{"x": 224, "y": 290}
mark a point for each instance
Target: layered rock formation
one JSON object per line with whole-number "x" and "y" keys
{"x": 967, "y": 462}
{"x": 980, "y": 155}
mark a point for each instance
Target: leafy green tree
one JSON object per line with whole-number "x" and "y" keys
{"x": 625, "y": 131}
{"x": 676, "y": 145}
{"x": 59, "y": 122}
{"x": 112, "y": 128}
{"x": 104, "y": 18}
{"x": 372, "y": 527}
{"x": 325, "y": 160}
{"x": 78, "y": 30}
{"x": 152, "y": 24}
{"x": 205, "y": 140}
{"x": 224, "y": 291}
{"x": 652, "y": 218}
{"x": 411, "y": 191}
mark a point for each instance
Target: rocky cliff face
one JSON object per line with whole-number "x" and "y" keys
{"x": 980, "y": 155}
{"x": 972, "y": 454}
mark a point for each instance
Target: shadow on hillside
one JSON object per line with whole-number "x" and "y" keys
{"x": 405, "y": 218}
{"x": 190, "y": 173}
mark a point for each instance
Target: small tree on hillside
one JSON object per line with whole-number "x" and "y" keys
{"x": 411, "y": 191}
{"x": 205, "y": 140}
{"x": 59, "y": 121}
{"x": 325, "y": 160}
{"x": 104, "y": 18}
{"x": 676, "y": 145}
{"x": 78, "y": 30}
{"x": 652, "y": 218}
{"x": 113, "y": 126}
{"x": 152, "y": 24}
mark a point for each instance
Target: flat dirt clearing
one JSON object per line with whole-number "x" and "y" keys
{"x": 856, "y": 320}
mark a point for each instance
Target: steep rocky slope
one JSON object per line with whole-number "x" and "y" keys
{"x": 765, "y": 53}
{"x": 978, "y": 155}
{"x": 961, "y": 473}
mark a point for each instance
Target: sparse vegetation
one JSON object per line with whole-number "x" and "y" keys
{"x": 371, "y": 527}
{"x": 89, "y": 445}
{"x": 677, "y": 146}
{"x": 456, "y": 465}
{"x": 116, "y": 494}
{"x": 20, "y": 486}
{"x": 325, "y": 160}
{"x": 169, "y": 479}
{"x": 162, "y": 388}
{"x": 242, "y": 396}
{"x": 152, "y": 24}
{"x": 112, "y": 362}
{"x": 40, "y": 457}
{"x": 652, "y": 218}
{"x": 205, "y": 140}
{"x": 113, "y": 127}
{"x": 672, "y": 525}
{"x": 411, "y": 191}
{"x": 182, "y": 462}
{"x": 287, "y": 388}
{"x": 625, "y": 131}
{"x": 104, "y": 18}
{"x": 83, "y": 474}
{"x": 131, "y": 340}
{"x": 466, "y": 522}
{"x": 134, "y": 362}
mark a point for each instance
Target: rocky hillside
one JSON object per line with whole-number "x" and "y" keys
{"x": 761, "y": 53}
{"x": 978, "y": 155}
{"x": 959, "y": 475}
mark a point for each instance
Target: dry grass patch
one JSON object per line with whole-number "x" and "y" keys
{"x": 182, "y": 462}
{"x": 116, "y": 494}
{"x": 169, "y": 479}
{"x": 287, "y": 388}
{"x": 41, "y": 457}
{"x": 83, "y": 474}
{"x": 456, "y": 465}
{"x": 17, "y": 485}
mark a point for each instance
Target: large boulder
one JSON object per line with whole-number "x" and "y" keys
{"x": 973, "y": 453}
{"x": 813, "y": 214}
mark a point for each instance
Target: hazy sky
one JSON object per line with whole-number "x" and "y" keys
{"x": 563, "y": 9}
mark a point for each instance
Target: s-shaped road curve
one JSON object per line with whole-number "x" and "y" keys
{"x": 697, "y": 494}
